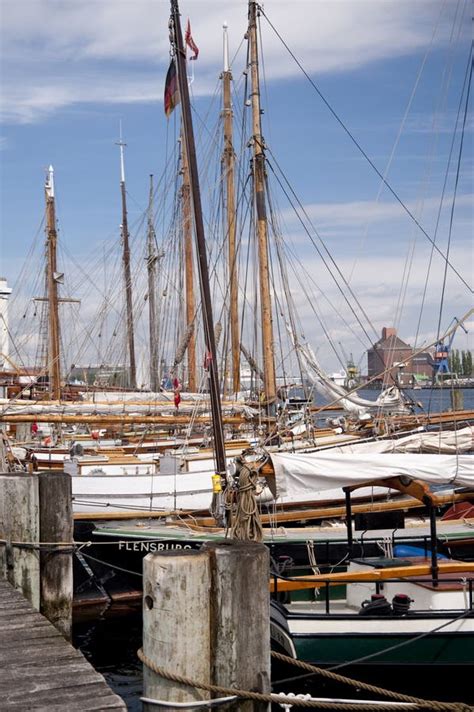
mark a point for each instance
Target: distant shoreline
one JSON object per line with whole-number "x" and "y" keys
{"x": 436, "y": 386}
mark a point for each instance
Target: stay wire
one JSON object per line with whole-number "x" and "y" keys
{"x": 445, "y": 84}
{"x": 331, "y": 258}
{"x": 364, "y": 154}
{"x": 456, "y": 183}
{"x": 468, "y": 72}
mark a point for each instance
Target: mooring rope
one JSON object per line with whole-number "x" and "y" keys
{"x": 283, "y": 699}
{"x": 246, "y": 523}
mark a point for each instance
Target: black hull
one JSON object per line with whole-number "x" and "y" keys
{"x": 113, "y": 565}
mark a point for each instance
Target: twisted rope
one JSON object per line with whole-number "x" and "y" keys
{"x": 246, "y": 524}
{"x": 397, "y": 696}
{"x": 319, "y": 704}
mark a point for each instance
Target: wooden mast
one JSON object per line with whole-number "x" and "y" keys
{"x": 188, "y": 267}
{"x": 210, "y": 344}
{"x": 262, "y": 230}
{"x": 52, "y": 279}
{"x": 228, "y": 159}
{"x": 126, "y": 270}
{"x": 152, "y": 321}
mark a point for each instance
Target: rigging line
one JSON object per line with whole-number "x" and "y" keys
{"x": 458, "y": 168}
{"x": 409, "y": 259}
{"x": 317, "y": 314}
{"x": 400, "y": 130}
{"x": 319, "y": 251}
{"x": 277, "y": 232}
{"x": 444, "y": 86}
{"x": 262, "y": 64}
{"x": 299, "y": 268}
{"x": 11, "y": 340}
{"x": 365, "y": 155}
{"x": 31, "y": 250}
{"x": 408, "y": 265}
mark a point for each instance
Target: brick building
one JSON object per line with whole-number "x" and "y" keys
{"x": 391, "y": 353}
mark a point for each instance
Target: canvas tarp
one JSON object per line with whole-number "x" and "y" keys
{"x": 299, "y": 475}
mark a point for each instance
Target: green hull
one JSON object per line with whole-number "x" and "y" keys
{"x": 438, "y": 649}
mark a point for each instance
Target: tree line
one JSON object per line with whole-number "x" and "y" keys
{"x": 460, "y": 362}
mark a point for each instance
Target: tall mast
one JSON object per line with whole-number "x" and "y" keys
{"x": 188, "y": 267}
{"x": 126, "y": 268}
{"x": 52, "y": 279}
{"x": 228, "y": 159}
{"x": 180, "y": 58}
{"x": 262, "y": 230}
{"x": 152, "y": 321}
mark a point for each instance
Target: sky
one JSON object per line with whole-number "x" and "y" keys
{"x": 392, "y": 71}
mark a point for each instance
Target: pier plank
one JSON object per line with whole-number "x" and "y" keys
{"x": 39, "y": 669}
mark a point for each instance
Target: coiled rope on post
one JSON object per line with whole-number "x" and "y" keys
{"x": 246, "y": 522}
{"x": 319, "y": 704}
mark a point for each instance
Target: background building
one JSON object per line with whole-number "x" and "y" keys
{"x": 395, "y": 357}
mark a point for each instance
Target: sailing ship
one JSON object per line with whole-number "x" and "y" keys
{"x": 92, "y": 470}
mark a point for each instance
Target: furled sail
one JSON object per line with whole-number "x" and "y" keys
{"x": 439, "y": 442}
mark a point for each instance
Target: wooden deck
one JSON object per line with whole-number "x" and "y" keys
{"x": 39, "y": 669}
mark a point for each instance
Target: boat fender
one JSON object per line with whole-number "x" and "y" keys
{"x": 264, "y": 495}
{"x": 401, "y": 604}
{"x": 378, "y": 605}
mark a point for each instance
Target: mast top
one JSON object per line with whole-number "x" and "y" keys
{"x": 226, "y": 47}
{"x": 49, "y": 184}
{"x": 122, "y": 145}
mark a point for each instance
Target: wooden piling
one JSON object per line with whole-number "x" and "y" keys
{"x": 37, "y": 509}
{"x": 176, "y": 623}
{"x": 457, "y": 399}
{"x": 19, "y": 522}
{"x": 56, "y": 525}
{"x": 240, "y": 619}
{"x": 206, "y": 616}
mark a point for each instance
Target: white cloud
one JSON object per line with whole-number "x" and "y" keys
{"x": 57, "y": 54}
{"x": 360, "y": 212}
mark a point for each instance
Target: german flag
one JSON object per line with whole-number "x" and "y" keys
{"x": 171, "y": 89}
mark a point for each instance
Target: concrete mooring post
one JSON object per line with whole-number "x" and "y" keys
{"x": 37, "y": 509}
{"x": 206, "y": 616}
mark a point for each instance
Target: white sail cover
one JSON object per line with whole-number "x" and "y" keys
{"x": 299, "y": 475}
{"x": 149, "y": 407}
{"x": 440, "y": 442}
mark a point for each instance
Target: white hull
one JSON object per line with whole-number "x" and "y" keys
{"x": 118, "y": 493}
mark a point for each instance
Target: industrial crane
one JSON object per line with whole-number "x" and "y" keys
{"x": 352, "y": 372}
{"x": 440, "y": 362}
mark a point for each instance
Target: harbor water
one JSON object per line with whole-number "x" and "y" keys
{"x": 111, "y": 640}
{"x": 111, "y": 643}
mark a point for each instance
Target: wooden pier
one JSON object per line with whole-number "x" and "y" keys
{"x": 39, "y": 669}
